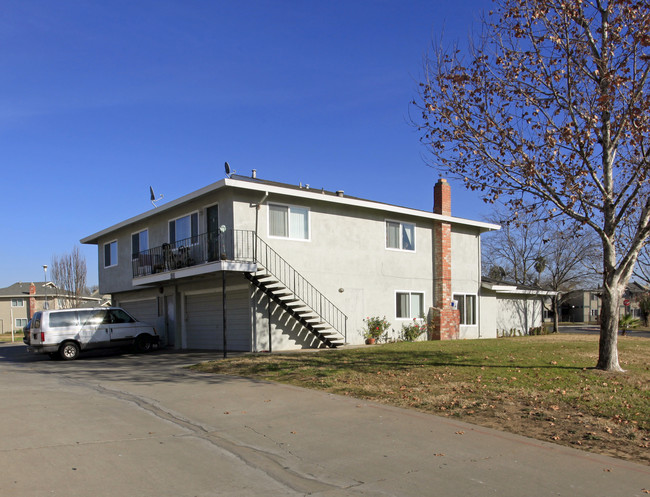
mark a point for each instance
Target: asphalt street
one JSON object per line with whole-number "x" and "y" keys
{"x": 143, "y": 425}
{"x": 585, "y": 329}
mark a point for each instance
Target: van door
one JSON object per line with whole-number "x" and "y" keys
{"x": 94, "y": 331}
{"x": 123, "y": 328}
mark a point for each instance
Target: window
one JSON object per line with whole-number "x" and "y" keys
{"x": 21, "y": 322}
{"x": 139, "y": 243}
{"x": 110, "y": 254}
{"x": 466, "y": 308}
{"x": 400, "y": 236}
{"x": 17, "y": 303}
{"x": 184, "y": 228}
{"x": 64, "y": 319}
{"x": 409, "y": 305}
{"x": 289, "y": 222}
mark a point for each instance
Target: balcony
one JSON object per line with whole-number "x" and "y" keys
{"x": 232, "y": 250}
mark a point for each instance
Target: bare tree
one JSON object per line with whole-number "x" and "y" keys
{"x": 549, "y": 109}
{"x": 517, "y": 247}
{"x": 551, "y": 256}
{"x": 642, "y": 268}
{"x": 570, "y": 257}
{"x": 69, "y": 276}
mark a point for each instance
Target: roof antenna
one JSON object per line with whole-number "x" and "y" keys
{"x": 229, "y": 172}
{"x": 153, "y": 197}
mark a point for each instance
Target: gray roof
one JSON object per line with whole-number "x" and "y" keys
{"x": 300, "y": 191}
{"x": 21, "y": 290}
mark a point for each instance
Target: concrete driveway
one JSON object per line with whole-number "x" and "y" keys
{"x": 142, "y": 425}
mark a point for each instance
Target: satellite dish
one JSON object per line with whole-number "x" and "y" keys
{"x": 153, "y": 197}
{"x": 228, "y": 170}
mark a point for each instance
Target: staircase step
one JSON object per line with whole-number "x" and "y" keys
{"x": 321, "y": 326}
{"x": 287, "y": 299}
{"x": 279, "y": 291}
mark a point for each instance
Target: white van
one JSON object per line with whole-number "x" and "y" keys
{"x": 66, "y": 332}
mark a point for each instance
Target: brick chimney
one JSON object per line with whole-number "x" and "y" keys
{"x": 445, "y": 320}
{"x": 442, "y": 198}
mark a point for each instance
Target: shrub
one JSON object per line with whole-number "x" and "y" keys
{"x": 375, "y": 327}
{"x": 413, "y": 330}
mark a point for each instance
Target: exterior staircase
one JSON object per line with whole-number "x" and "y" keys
{"x": 297, "y": 297}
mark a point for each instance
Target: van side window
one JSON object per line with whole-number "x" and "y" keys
{"x": 92, "y": 317}
{"x": 63, "y": 319}
{"x": 119, "y": 316}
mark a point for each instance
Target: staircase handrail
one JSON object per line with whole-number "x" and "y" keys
{"x": 288, "y": 276}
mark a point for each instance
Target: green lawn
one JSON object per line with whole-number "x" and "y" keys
{"x": 6, "y": 337}
{"x": 543, "y": 386}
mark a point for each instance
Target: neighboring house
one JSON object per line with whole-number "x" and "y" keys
{"x": 20, "y": 301}
{"x": 583, "y": 306}
{"x": 292, "y": 266}
{"x": 514, "y": 309}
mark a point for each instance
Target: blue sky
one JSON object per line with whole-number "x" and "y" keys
{"x": 99, "y": 100}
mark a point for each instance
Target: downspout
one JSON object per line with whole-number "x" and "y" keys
{"x": 258, "y": 205}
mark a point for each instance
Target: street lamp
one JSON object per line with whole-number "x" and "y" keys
{"x": 45, "y": 284}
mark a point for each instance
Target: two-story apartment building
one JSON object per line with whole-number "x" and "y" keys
{"x": 281, "y": 266}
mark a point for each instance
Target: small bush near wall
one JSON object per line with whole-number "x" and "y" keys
{"x": 512, "y": 332}
{"x": 413, "y": 330}
{"x": 375, "y": 327}
{"x": 538, "y": 330}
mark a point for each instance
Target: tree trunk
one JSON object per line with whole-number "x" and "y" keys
{"x": 607, "y": 347}
{"x": 556, "y": 314}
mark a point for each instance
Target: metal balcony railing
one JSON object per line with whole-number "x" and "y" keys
{"x": 233, "y": 245}
{"x": 238, "y": 246}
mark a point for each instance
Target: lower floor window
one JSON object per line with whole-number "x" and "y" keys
{"x": 409, "y": 305}
{"x": 21, "y": 323}
{"x": 466, "y": 308}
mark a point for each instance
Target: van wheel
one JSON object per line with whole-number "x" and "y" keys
{"x": 143, "y": 343}
{"x": 69, "y": 351}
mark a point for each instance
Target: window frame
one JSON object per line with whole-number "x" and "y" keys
{"x": 289, "y": 207}
{"x": 109, "y": 244}
{"x": 134, "y": 254}
{"x": 402, "y": 225}
{"x": 462, "y": 307}
{"x": 194, "y": 228}
{"x": 410, "y": 294}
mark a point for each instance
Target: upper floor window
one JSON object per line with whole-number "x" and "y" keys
{"x": 289, "y": 222}
{"x": 409, "y": 305}
{"x": 466, "y": 307}
{"x": 183, "y": 228}
{"x": 110, "y": 254}
{"x": 139, "y": 242}
{"x": 400, "y": 236}
{"x": 17, "y": 303}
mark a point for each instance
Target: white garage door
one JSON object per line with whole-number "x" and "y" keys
{"x": 204, "y": 320}
{"x": 203, "y": 323}
{"x": 142, "y": 310}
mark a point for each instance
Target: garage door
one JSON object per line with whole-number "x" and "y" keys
{"x": 142, "y": 310}
{"x": 203, "y": 321}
